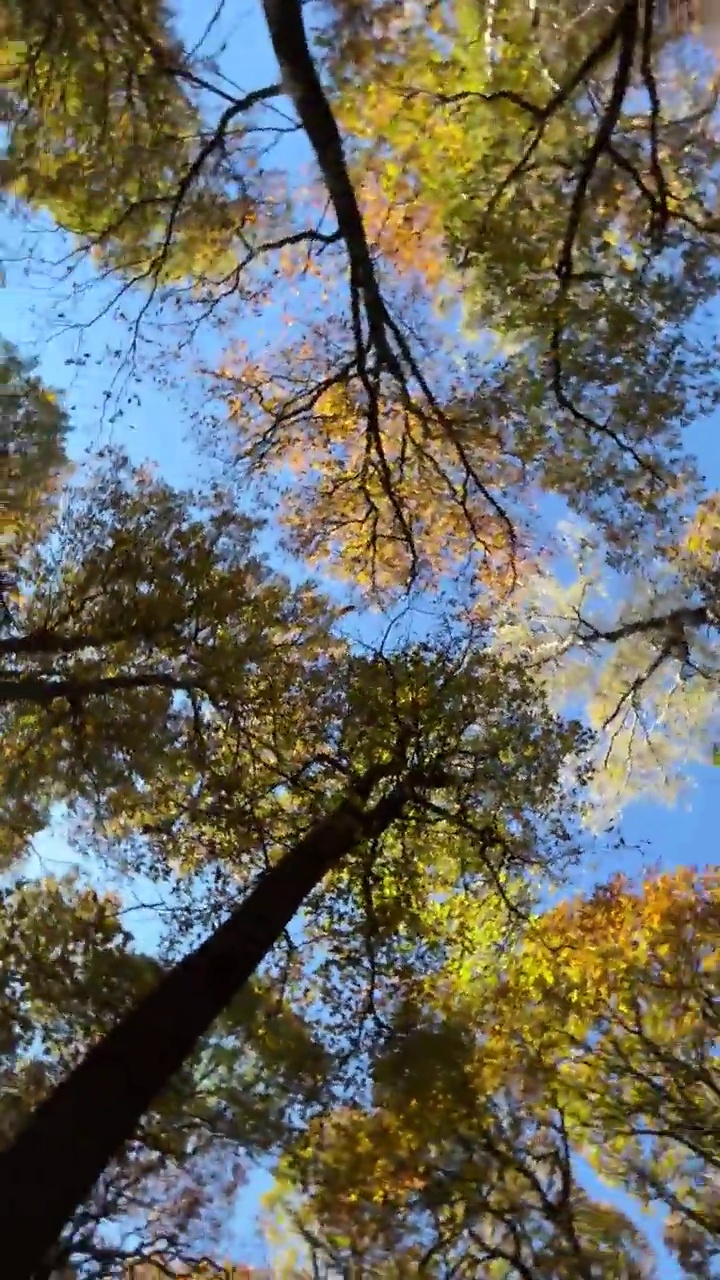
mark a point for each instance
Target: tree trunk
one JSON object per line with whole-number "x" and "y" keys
{"x": 51, "y": 1168}
{"x": 286, "y": 28}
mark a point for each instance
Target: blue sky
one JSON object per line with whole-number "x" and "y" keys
{"x": 159, "y": 427}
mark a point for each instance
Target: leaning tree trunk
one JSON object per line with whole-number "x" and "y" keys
{"x": 51, "y": 1168}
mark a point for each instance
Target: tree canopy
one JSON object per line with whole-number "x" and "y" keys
{"x": 557, "y": 195}
{"x": 358, "y": 703}
{"x": 598, "y": 1041}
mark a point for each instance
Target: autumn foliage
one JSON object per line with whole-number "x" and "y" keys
{"x": 344, "y": 718}
{"x": 599, "y": 1041}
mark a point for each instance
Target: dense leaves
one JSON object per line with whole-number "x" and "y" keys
{"x": 557, "y": 193}
{"x": 565, "y": 180}
{"x": 485, "y": 306}
{"x": 228, "y": 687}
{"x": 33, "y": 430}
{"x": 221, "y": 725}
{"x": 139, "y": 599}
{"x": 598, "y": 1042}
{"x": 104, "y": 133}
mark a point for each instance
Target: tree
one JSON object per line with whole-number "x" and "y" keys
{"x": 583, "y": 256}
{"x": 224, "y": 723}
{"x": 104, "y": 133}
{"x": 33, "y": 431}
{"x": 204, "y": 722}
{"x": 641, "y": 1088}
{"x": 599, "y": 1040}
{"x": 68, "y": 972}
{"x": 639, "y": 649}
{"x": 580, "y": 366}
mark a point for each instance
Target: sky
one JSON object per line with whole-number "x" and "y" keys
{"x": 159, "y": 426}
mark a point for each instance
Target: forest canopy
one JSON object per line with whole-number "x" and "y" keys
{"x": 333, "y": 706}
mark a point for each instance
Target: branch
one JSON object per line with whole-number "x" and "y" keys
{"x": 660, "y": 211}
{"x": 302, "y": 84}
{"x": 631, "y": 694}
{"x": 46, "y": 642}
{"x": 44, "y": 692}
{"x": 542, "y": 113}
{"x": 626, "y": 26}
{"x": 385, "y": 338}
{"x": 684, "y": 616}
{"x": 210, "y": 146}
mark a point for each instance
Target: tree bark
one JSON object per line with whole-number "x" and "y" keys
{"x": 52, "y": 1166}
{"x": 23, "y": 688}
{"x": 286, "y": 27}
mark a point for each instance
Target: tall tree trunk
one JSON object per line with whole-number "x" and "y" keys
{"x": 51, "y": 1168}
{"x": 286, "y": 27}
